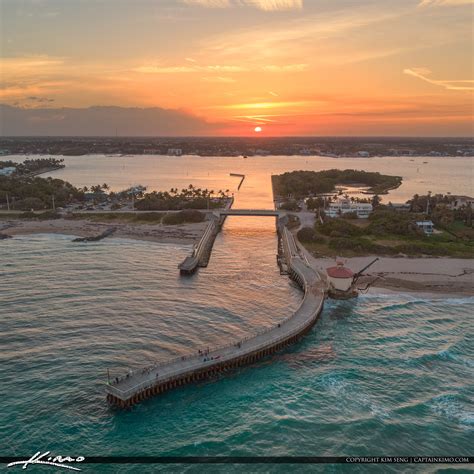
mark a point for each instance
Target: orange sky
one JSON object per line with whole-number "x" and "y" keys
{"x": 292, "y": 67}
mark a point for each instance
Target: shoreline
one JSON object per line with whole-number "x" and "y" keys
{"x": 439, "y": 277}
{"x": 187, "y": 234}
{"x": 435, "y": 277}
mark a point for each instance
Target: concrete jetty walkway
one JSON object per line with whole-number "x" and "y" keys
{"x": 158, "y": 378}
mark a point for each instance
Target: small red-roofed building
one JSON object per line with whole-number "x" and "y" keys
{"x": 340, "y": 277}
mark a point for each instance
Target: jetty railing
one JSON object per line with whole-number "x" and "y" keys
{"x": 221, "y": 357}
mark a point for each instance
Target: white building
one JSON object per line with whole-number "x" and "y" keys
{"x": 175, "y": 151}
{"x": 344, "y": 206}
{"x": 426, "y": 226}
{"x": 461, "y": 201}
{"x": 7, "y": 171}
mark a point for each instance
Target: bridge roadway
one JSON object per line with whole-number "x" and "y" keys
{"x": 249, "y": 212}
{"x": 158, "y": 378}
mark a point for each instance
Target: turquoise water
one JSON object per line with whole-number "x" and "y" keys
{"x": 383, "y": 375}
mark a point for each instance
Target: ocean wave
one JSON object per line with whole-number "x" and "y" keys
{"x": 453, "y": 409}
{"x": 349, "y": 396}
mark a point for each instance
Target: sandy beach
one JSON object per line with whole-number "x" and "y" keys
{"x": 448, "y": 276}
{"x": 180, "y": 234}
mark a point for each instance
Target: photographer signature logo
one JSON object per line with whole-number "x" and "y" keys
{"x": 46, "y": 459}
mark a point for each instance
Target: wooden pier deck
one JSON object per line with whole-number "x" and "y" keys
{"x": 156, "y": 379}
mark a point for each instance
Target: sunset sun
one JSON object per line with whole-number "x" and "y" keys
{"x": 258, "y": 129}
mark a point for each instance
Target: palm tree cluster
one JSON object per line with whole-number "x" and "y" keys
{"x": 188, "y": 198}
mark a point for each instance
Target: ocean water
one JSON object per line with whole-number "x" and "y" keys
{"x": 380, "y": 375}
{"x": 386, "y": 374}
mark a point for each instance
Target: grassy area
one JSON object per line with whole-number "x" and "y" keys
{"x": 182, "y": 217}
{"x": 121, "y": 217}
{"x": 384, "y": 234}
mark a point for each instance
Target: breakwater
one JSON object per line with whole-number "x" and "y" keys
{"x": 150, "y": 381}
{"x": 107, "y": 232}
{"x": 202, "y": 251}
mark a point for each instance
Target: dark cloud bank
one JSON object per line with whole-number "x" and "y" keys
{"x": 100, "y": 121}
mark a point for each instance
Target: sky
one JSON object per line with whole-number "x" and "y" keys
{"x": 225, "y": 67}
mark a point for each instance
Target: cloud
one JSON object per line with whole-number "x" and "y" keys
{"x": 444, "y": 3}
{"x": 219, "y": 79}
{"x": 40, "y": 99}
{"x": 286, "y": 68}
{"x": 186, "y": 69}
{"x": 208, "y": 3}
{"x": 93, "y": 121}
{"x": 164, "y": 69}
{"x": 271, "y": 105}
{"x": 453, "y": 85}
{"x": 29, "y": 64}
{"x": 274, "y": 5}
{"x": 265, "y": 5}
{"x": 220, "y": 68}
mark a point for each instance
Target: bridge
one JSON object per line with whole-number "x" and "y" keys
{"x": 201, "y": 252}
{"x": 155, "y": 379}
{"x": 249, "y": 212}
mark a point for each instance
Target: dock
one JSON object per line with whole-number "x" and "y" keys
{"x": 139, "y": 385}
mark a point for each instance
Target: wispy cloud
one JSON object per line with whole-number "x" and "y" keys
{"x": 453, "y": 85}
{"x": 274, "y": 5}
{"x": 208, "y": 3}
{"x": 444, "y": 3}
{"x": 286, "y": 68}
{"x": 266, "y": 5}
{"x": 219, "y": 79}
{"x": 220, "y": 68}
{"x": 187, "y": 69}
{"x": 271, "y": 105}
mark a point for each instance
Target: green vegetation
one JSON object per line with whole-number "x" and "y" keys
{"x": 28, "y": 167}
{"x": 386, "y": 232}
{"x": 26, "y": 193}
{"x": 290, "y": 205}
{"x": 182, "y": 217}
{"x": 120, "y": 217}
{"x": 300, "y": 184}
{"x": 190, "y": 198}
{"x": 42, "y": 216}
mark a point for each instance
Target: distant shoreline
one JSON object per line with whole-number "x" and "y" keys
{"x": 305, "y": 146}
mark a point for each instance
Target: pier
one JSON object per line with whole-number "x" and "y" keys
{"x": 202, "y": 251}
{"x": 158, "y": 378}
